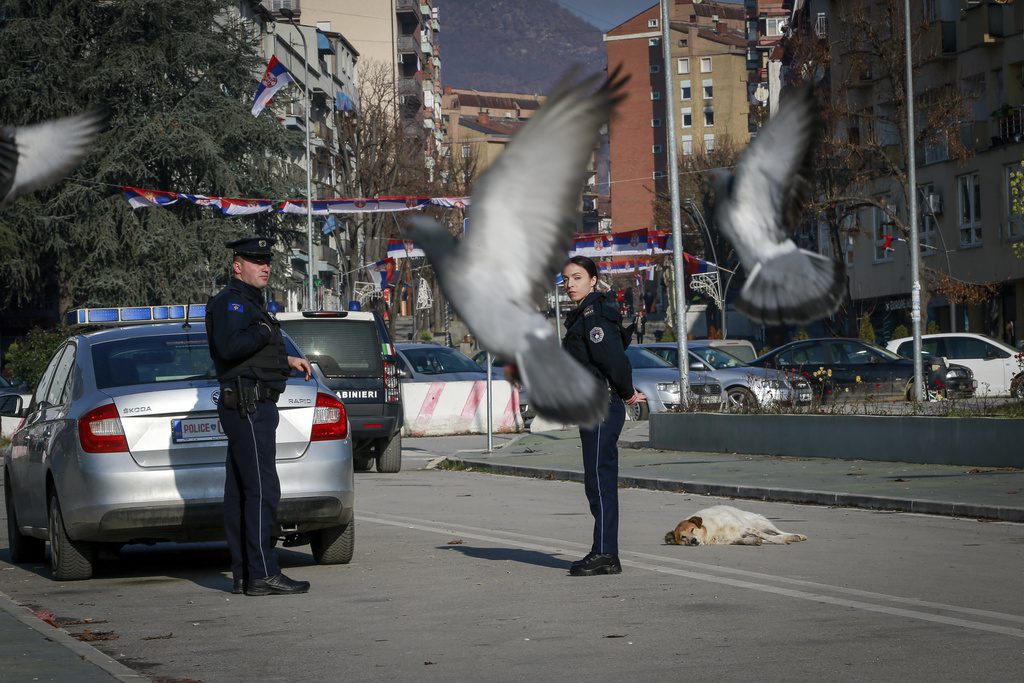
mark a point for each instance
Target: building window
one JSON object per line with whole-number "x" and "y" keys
{"x": 683, "y": 65}
{"x": 928, "y": 229}
{"x": 467, "y": 150}
{"x": 685, "y": 92}
{"x": 652, "y": 23}
{"x": 1014, "y": 221}
{"x": 705, "y": 65}
{"x": 774, "y": 26}
{"x": 683, "y": 42}
{"x": 847, "y": 229}
{"x": 709, "y": 117}
{"x": 655, "y": 94}
{"x": 655, "y": 123}
{"x": 687, "y": 117}
{"x": 969, "y": 203}
{"x": 709, "y": 143}
{"x": 687, "y": 141}
{"x": 653, "y": 42}
{"x": 883, "y": 233}
{"x": 655, "y": 149}
{"x": 658, "y": 175}
{"x": 655, "y": 68}
{"x": 709, "y": 89}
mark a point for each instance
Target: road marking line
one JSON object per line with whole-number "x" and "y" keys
{"x": 561, "y": 548}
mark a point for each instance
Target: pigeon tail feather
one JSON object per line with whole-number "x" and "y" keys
{"x": 794, "y": 287}
{"x": 560, "y": 388}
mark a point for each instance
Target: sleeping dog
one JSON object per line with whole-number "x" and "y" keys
{"x": 726, "y": 525}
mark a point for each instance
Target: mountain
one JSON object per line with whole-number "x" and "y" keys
{"x": 518, "y": 46}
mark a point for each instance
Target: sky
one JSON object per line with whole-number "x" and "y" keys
{"x": 607, "y": 14}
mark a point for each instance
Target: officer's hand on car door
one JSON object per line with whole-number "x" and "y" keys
{"x": 637, "y": 397}
{"x": 300, "y": 364}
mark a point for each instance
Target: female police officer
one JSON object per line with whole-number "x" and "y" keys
{"x": 593, "y": 337}
{"x": 249, "y": 355}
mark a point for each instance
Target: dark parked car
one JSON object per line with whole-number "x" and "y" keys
{"x": 851, "y": 369}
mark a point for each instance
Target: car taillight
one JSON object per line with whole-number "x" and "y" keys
{"x": 330, "y": 421}
{"x": 100, "y": 431}
{"x": 392, "y": 393}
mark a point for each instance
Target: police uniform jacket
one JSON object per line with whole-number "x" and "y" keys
{"x": 240, "y": 345}
{"x": 593, "y": 337}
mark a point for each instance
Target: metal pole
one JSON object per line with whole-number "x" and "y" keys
{"x": 309, "y": 159}
{"x": 915, "y": 249}
{"x": 558, "y": 311}
{"x": 677, "y": 229}
{"x": 490, "y": 381}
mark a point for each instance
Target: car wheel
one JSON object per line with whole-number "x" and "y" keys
{"x": 390, "y": 459}
{"x": 740, "y": 400}
{"x": 334, "y": 545}
{"x": 362, "y": 464}
{"x": 637, "y": 412}
{"x": 24, "y": 549}
{"x": 70, "y": 560}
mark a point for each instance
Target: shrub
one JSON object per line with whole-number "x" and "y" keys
{"x": 801, "y": 334}
{"x": 27, "y": 357}
{"x": 867, "y": 330}
{"x": 427, "y": 336}
{"x": 933, "y": 327}
{"x": 900, "y": 331}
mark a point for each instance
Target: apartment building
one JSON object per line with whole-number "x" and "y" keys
{"x": 966, "y": 227}
{"x": 478, "y": 124}
{"x": 709, "y": 95}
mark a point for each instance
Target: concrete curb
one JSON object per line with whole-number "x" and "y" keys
{"x": 59, "y": 636}
{"x": 836, "y": 499}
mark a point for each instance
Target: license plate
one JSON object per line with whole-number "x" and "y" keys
{"x": 197, "y": 429}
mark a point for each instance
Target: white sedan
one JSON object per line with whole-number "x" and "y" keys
{"x": 997, "y": 367}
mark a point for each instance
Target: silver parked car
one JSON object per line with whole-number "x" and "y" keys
{"x": 121, "y": 443}
{"x": 659, "y": 382}
{"x": 746, "y": 387}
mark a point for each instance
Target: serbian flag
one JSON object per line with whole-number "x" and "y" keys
{"x": 139, "y": 198}
{"x": 244, "y": 207}
{"x": 385, "y": 268}
{"x": 275, "y": 78}
{"x": 404, "y": 249}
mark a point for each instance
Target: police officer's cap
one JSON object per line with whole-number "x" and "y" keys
{"x": 253, "y": 248}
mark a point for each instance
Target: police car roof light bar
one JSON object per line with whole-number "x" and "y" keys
{"x": 132, "y": 315}
{"x": 325, "y": 314}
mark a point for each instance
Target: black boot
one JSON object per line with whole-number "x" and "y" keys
{"x": 596, "y": 563}
{"x": 278, "y": 584}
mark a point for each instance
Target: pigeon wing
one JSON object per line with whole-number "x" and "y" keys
{"x": 46, "y": 151}
{"x": 772, "y": 180}
{"x": 524, "y": 206}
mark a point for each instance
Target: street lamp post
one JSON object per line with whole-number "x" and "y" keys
{"x": 915, "y": 249}
{"x": 288, "y": 14}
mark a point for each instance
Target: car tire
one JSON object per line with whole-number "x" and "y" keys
{"x": 740, "y": 400}
{"x": 24, "y": 549}
{"x": 334, "y": 545}
{"x": 70, "y": 560}
{"x": 638, "y": 412}
{"x": 362, "y": 464}
{"x": 390, "y": 459}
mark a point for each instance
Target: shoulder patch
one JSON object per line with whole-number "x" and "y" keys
{"x": 597, "y": 335}
{"x": 235, "y": 308}
{"x": 589, "y": 310}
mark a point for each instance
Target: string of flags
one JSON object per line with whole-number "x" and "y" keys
{"x": 637, "y": 243}
{"x": 144, "y": 198}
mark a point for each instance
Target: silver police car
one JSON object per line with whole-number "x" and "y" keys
{"x": 121, "y": 443}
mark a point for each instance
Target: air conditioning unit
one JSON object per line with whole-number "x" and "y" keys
{"x": 933, "y": 203}
{"x": 278, "y": 5}
{"x": 294, "y": 122}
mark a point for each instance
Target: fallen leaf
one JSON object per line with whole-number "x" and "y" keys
{"x": 428, "y": 663}
{"x": 455, "y": 541}
{"x": 47, "y": 616}
{"x": 616, "y": 635}
{"x": 169, "y": 635}
{"x": 89, "y": 636}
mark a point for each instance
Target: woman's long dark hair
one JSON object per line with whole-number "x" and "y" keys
{"x": 584, "y": 263}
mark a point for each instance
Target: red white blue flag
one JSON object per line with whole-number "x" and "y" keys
{"x": 139, "y": 198}
{"x": 245, "y": 207}
{"x": 275, "y": 78}
{"x": 384, "y": 268}
{"x": 404, "y": 249}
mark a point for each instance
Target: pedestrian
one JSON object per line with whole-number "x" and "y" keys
{"x": 641, "y": 326}
{"x": 252, "y": 366}
{"x": 593, "y": 337}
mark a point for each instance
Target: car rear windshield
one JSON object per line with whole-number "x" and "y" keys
{"x": 342, "y": 348}
{"x": 149, "y": 360}
{"x": 439, "y": 360}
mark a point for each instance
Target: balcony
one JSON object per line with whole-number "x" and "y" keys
{"x": 405, "y": 6}
{"x": 275, "y": 6}
{"x": 407, "y": 44}
{"x": 292, "y": 122}
{"x": 327, "y": 256}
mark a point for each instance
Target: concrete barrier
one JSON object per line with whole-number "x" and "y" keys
{"x": 447, "y": 408}
{"x": 969, "y": 441}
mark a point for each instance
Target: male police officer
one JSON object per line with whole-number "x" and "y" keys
{"x": 252, "y": 365}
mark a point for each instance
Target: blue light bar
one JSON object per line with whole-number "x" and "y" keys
{"x": 122, "y": 315}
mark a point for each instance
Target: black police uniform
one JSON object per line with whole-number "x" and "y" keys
{"x": 252, "y": 366}
{"x": 593, "y": 337}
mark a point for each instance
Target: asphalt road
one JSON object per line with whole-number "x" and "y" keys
{"x": 462, "y": 576}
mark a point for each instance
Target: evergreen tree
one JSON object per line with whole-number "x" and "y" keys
{"x": 176, "y": 78}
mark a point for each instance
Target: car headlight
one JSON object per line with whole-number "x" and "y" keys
{"x": 670, "y": 387}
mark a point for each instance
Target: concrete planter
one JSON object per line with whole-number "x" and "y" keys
{"x": 975, "y": 441}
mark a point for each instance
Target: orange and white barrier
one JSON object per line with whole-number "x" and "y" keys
{"x": 447, "y": 408}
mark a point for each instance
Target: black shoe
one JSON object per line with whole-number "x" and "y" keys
{"x": 238, "y": 588}
{"x": 596, "y": 563}
{"x": 278, "y": 584}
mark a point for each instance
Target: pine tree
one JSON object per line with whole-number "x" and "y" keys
{"x": 867, "y": 330}
{"x": 176, "y": 78}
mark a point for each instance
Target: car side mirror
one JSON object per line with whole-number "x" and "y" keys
{"x": 12, "y": 406}
{"x": 698, "y": 366}
{"x": 402, "y": 372}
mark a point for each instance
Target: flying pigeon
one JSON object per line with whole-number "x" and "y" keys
{"x": 34, "y": 156}
{"x": 756, "y": 205}
{"x": 523, "y": 214}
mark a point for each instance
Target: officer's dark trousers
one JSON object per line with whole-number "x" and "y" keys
{"x": 251, "y": 490}
{"x": 601, "y": 476}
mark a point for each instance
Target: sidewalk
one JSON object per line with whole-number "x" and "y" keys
{"x": 984, "y": 493}
{"x": 33, "y": 650}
